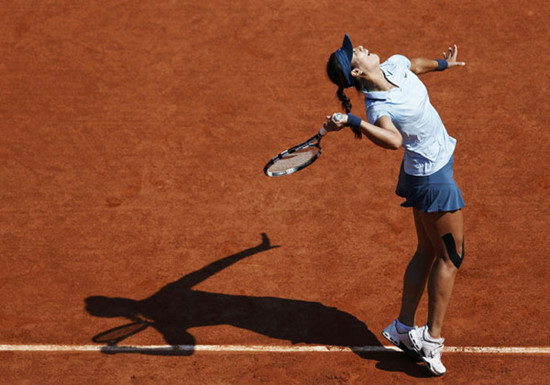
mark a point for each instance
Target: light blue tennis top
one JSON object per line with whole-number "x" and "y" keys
{"x": 428, "y": 146}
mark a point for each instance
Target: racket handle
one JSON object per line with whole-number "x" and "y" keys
{"x": 338, "y": 117}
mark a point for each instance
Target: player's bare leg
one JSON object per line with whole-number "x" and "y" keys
{"x": 443, "y": 272}
{"x": 416, "y": 274}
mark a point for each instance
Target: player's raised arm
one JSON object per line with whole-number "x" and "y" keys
{"x": 422, "y": 65}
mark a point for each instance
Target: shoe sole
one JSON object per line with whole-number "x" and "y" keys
{"x": 431, "y": 368}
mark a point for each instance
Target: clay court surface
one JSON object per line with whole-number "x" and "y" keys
{"x": 133, "y": 138}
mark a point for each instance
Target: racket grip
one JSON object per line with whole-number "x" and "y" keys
{"x": 338, "y": 117}
{"x": 323, "y": 132}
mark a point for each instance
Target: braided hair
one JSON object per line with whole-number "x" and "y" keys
{"x": 336, "y": 75}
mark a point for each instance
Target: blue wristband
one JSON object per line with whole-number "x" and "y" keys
{"x": 441, "y": 64}
{"x": 353, "y": 121}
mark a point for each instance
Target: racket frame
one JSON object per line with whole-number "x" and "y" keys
{"x": 314, "y": 141}
{"x": 311, "y": 142}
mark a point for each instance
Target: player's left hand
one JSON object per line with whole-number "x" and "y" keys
{"x": 451, "y": 57}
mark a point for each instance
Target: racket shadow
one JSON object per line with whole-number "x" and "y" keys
{"x": 176, "y": 308}
{"x": 118, "y": 334}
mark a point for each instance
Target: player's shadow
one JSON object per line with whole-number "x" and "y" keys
{"x": 176, "y": 308}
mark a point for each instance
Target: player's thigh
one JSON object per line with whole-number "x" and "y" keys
{"x": 424, "y": 242}
{"x": 439, "y": 225}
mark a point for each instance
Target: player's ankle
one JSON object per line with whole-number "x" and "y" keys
{"x": 434, "y": 335}
{"x": 403, "y": 328}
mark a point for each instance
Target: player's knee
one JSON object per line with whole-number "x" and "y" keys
{"x": 454, "y": 248}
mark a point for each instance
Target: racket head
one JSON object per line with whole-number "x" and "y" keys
{"x": 295, "y": 158}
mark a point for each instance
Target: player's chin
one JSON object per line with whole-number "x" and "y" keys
{"x": 375, "y": 59}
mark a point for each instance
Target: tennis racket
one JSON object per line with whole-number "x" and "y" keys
{"x": 298, "y": 157}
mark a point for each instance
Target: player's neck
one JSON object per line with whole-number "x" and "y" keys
{"x": 378, "y": 82}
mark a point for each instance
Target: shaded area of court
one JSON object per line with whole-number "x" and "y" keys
{"x": 176, "y": 307}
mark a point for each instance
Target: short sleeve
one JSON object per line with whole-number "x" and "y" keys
{"x": 376, "y": 111}
{"x": 400, "y": 61}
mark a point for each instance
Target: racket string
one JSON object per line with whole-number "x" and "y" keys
{"x": 294, "y": 160}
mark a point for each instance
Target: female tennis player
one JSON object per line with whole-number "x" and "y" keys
{"x": 399, "y": 114}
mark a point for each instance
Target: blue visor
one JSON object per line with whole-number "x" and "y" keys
{"x": 344, "y": 55}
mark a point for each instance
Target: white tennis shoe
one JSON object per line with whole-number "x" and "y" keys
{"x": 401, "y": 340}
{"x": 430, "y": 349}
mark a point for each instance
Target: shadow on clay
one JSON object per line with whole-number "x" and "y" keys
{"x": 176, "y": 308}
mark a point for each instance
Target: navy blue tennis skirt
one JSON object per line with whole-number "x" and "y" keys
{"x": 431, "y": 193}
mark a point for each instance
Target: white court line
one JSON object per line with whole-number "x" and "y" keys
{"x": 259, "y": 349}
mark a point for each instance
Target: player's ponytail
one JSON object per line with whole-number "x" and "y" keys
{"x": 336, "y": 75}
{"x": 346, "y": 104}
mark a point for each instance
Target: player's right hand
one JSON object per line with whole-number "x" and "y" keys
{"x": 333, "y": 124}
